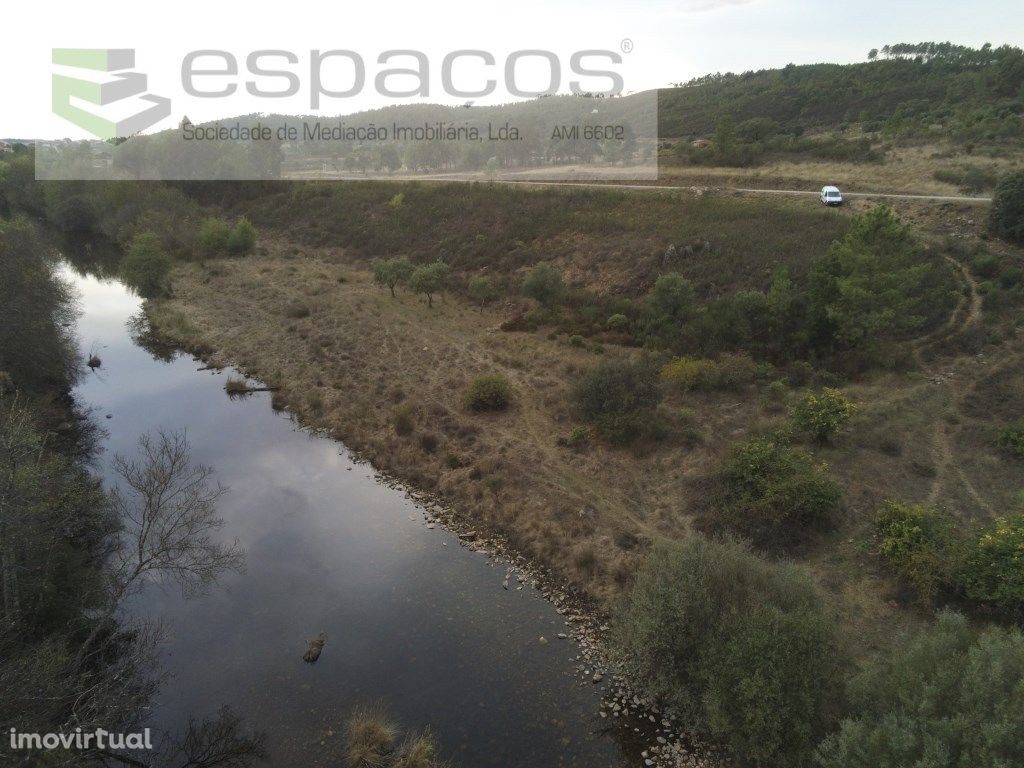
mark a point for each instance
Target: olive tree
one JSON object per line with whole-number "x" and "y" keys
{"x": 429, "y": 279}
{"x": 391, "y": 272}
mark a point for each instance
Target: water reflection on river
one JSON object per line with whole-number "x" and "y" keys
{"x": 413, "y": 619}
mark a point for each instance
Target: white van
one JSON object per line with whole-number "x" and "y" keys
{"x": 831, "y": 196}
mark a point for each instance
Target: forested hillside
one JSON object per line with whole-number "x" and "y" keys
{"x": 926, "y": 88}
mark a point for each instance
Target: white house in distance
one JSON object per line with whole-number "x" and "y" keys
{"x": 5, "y": 148}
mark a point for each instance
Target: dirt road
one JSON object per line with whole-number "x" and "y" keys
{"x": 741, "y": 190}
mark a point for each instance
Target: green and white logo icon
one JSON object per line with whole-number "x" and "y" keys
{"x": 104, "y": 82}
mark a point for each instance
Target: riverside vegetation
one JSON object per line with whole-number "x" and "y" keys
{"x": 760, "y": 460}
{"x": 72, "y": 551}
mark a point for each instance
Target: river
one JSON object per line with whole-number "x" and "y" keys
{"x": 413, "y": 619}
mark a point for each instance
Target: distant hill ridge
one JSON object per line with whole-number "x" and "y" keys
{"x": 904, "y": 88}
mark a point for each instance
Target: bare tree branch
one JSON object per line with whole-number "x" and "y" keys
{"x": 167, "y": 509}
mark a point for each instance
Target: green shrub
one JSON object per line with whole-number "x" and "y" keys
{"x": 482, "y": 290}
{"x": 985, "y": 265}
{"x": 823, "y": 416}
{"x": 729, "y": 372}
{"x": 577, "y": 438}
{"x": 543, "y": 283}
{"x": 672, "y": 297}
{"x": 945, "y": 697}
{"x": 488, "y": 393}
{"x": 397, "y": 200}
{"x": 242, "y": 240}
{"x": 742, "y": 648}
{"x": 1006, "y": 218}
{"x": 994, "y": 572}
{"x": 733, "y": 370}
{"x": 776, "y": 391}
{"x": 919, "y": 543}
{"x": 971, "y": 179}
{"x": 774, "y": 492}
{"x": 1010, "y": 277}
{"x": 1011, "y": 439}
{"x": 213, "y": 237}
{"x": 618, "y": 397}
{"x": 145, "y": 267}
{"x": 685, "y": 372}
{"x": 617, "y": 322}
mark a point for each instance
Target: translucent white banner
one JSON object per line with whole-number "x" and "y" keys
{"x": 553, "y": 138}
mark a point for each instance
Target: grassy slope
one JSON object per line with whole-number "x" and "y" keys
{"x": 587, "y": 513}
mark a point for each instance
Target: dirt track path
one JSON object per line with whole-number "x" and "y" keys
{"x": 966, "y": 314}
{"x": 654, "y": 187}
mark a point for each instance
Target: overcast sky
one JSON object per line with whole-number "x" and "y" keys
{"x": 672, "y": 40}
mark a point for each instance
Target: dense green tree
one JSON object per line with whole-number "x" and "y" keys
{"x": 769, "y": 685}
{"x": 543, "y": 283}
{"x": 74, "y": 214}
{"x": 725, "y": 137}
{"x": 213, "y": 237}
{"x": 36, "y": 348}
{"x": 944, "y": 697}
{"x": 876, "y": 283}
{"x": 1006, "y": 219}
{"x": 19, "y": 187}
{"x": 618, "y": 397}
{"x": 994, "y": 572}
{"x": 920, "y": 544}
{"x": 146, "y": 265}
{"x": 776, "y": 492}
{"x": 392, "y": 272}
{"x": 672, "y": 297}
{"x": 823, "y": 416}
{"x": 743, "y": 648}
{"x": 482, "y": 290}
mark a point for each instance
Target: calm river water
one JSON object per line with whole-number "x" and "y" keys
{"x": 414, "y": 620}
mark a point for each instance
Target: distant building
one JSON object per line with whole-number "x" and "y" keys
{"x": 5, "y": 148}
{"x": 702, "y": 143}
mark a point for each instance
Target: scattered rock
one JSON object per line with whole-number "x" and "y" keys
{"x": 315, "y": 648}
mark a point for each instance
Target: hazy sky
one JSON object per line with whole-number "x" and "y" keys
{"x": 672, "y": 40}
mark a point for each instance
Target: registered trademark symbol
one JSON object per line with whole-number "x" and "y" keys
{"x": 626, "y": 45}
